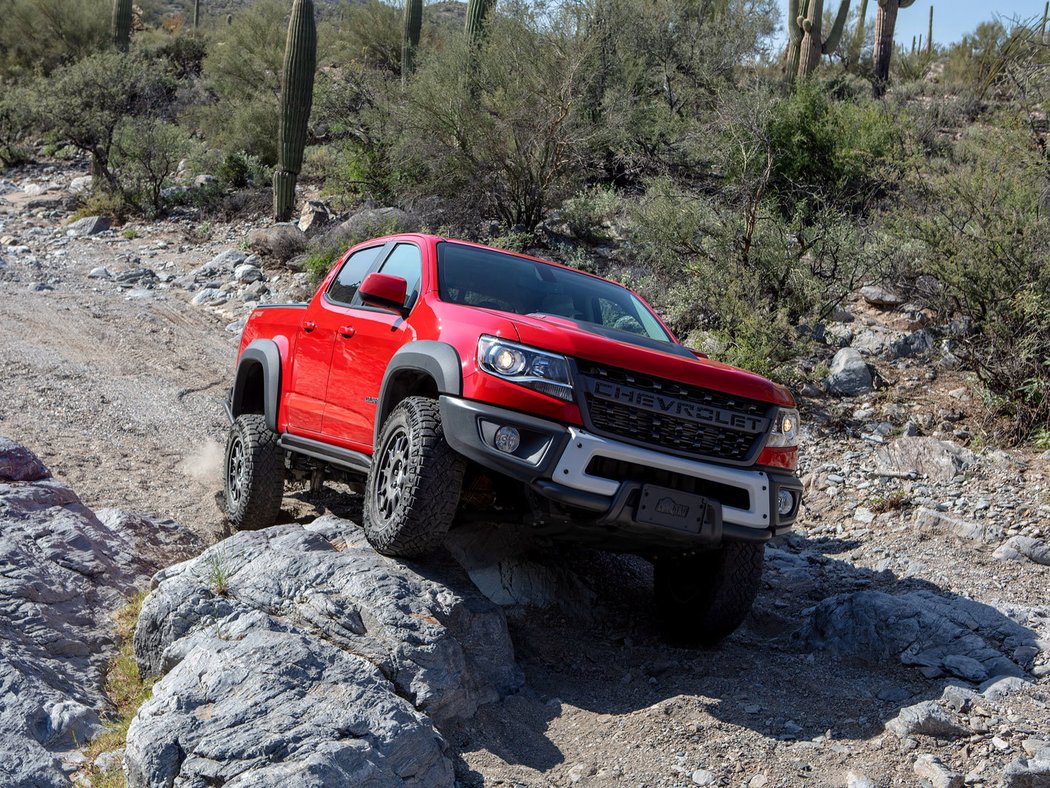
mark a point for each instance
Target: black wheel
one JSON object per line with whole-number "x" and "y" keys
{"x": 254, "y": 476}
{"x": 414, "y": 484}
{"x": 702, "y": 599}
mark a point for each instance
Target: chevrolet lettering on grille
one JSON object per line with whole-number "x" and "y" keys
{"x": 682, "y": 409}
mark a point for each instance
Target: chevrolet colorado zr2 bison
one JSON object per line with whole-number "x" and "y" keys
{"x": 460, "y": 381}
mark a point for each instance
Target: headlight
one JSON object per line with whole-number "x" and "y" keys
{"x": 545, "y": 372}
{"x": 785, "y": 429}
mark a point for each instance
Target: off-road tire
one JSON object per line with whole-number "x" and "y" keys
{"x": 414, "y": 484}
{"x": 253, "y": 474}
{"x": 702, "y": 599}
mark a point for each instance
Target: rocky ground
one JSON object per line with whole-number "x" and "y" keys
{"x": 876, "y": 653}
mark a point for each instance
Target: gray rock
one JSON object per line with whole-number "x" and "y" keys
{"x": 64, "y": 571}
{"x": 1003, "y": 686}
{"x": 880, "y": 296}
{"x": 209, "y": 295}
{"x": 81, "y": 184}
{"x": 854, "y": 780}
{"x": 936, "y": 459}
{"x": 1031, "y": 772}
{"x": 280, "y": 241}
{"x": 1018, "y": 548}
{"x": 135, "y": 276}
{"x": 964, "y": 529}
{"x": 223, "y": 263}
{"x": 18, "y": 464}
{"x": 314, "y": 217}
{"x": 101, "y": 272}
{"x": 958, "y": 698}
{"x": 920, "y": 629}
{"x": 914, "y": 344}
{"x": 246, "y": 273}
{"x": 704, "y": 777}
{"x": 377, "y": 221}
{"x": 312, "y": 618}
{"x": 965, "y": 668}
{"x": 850, "y": 375}
{"x": 925, "y": 719}
{"x": 90, "y": 225}
{"x": 204, "y": 180}
{"x": 258, "y": 702}
{"x": 932, "y": 771}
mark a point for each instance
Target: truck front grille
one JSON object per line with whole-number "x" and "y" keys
{"x": 669, "y": 416}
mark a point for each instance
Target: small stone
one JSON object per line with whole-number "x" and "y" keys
{"x": 101, "y": 272}
{"x": 931, "y": 769}
{"x": 925, "y": 719}
{"x": 90, "y": 225}
{"x": 1000, "y": 744}
{"x": 202, "y": 181}
{"x": 758, "y": 781}
{"x": 880, "y": 296}
{"x": 580, "y": 771}
{"x": 246, "y": 273}
{"x": 704, "y": 777}
{"x": 965, "y": 668}
{"x": 80, "y": 185}
{"x": 850, "y": 374}
{"x": 854, "y": 780}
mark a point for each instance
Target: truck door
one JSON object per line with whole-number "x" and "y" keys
{"x": 305, "y": 400}
{"x": 365, "y": 341}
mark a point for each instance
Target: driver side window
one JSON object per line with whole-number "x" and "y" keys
{"x": 344, "y": 286}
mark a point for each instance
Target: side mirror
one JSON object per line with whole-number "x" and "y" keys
{"x": 384, "y": 291}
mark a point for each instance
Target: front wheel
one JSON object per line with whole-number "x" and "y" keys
{"x": 254, "y": 474}
{"x": 414, "y": 483}
{"x": 703, "y": 599}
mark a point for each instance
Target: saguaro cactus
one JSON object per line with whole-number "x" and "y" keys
{"x": 122, "y": 24}
{"x": 477, "y": 10}
{"x": 885, "y": 23}
{"x": 297, "y": 93}
{"x": 929, "y": 34}
{"x": 196, "y": 13}
{"x": 857, "y": 44}
{"x": 805, "y": 44}
{"x": 413, "y": 24}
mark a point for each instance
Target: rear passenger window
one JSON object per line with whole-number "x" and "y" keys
{"x": 406, "y": 261}
{"x": 344, "y": 286}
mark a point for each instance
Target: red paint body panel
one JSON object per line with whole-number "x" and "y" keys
{"x": 334, "y": 357}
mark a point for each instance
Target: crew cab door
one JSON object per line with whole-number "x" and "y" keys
{"x": 305, "y": 399}
{"x": 367, "y": 339}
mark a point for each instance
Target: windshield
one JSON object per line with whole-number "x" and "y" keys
{"x": 494, "y": 280}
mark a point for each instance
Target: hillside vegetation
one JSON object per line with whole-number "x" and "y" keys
{"x": 658, "y": 142}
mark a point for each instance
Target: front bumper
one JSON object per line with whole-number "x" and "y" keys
{"x": 602, "y": 480}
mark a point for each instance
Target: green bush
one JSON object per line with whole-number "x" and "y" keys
{"x": 146, "y": 152}
{"x": 41, "y": 35}
{"x": 84, "y": 104}
{"x": 985, "y": 236}
{"x": 825, "y": 151}
{"x": 589, "y": 212}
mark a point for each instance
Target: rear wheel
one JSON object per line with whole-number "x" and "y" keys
{"x": 414, "y": 483}
{"x": 703, "y": 599}
{"x": 254, "y": 474}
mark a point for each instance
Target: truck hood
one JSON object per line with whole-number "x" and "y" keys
{"x": 561, "y": 335}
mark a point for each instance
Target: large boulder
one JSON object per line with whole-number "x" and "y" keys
{"x": 938, "y": 460}
{"x": 279, "y": 241}
{"x": 64, "y": 571}
{"x": 926, "y": 630}
{"x": 420, "y": 646}
{"x": 850, "y": 374}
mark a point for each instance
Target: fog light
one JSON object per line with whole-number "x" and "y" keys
{"x": 785, "y": 502}
{"x": 507, "y": 439}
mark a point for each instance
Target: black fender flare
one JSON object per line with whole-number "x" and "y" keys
{"x": 439, "y": 360}
{"x": 267, "y": 355}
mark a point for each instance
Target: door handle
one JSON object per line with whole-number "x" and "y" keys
{"x": 309, "y": 325}
{"x": 347, "y": 331}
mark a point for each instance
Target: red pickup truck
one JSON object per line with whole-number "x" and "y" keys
{"x": 463, "y": 381}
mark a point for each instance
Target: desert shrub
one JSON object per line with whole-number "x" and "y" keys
{"x": 590, "y": 210}
{"x": 242, "y": 71}
{"x": 829, "y": 151}
{"x": 146, "y": 152}
{"x": 15, "y": 124}
{"x": 84, "y": 104}
{"x": 748, "y": 296}
{"x": 182, "y": 49}
{"x": 985, "y": 235}
{"x": 497, "y": 132}
{"x": 368, "y": 34}
{"x": 41, "y": 35}
{"x": 103, "y": 202}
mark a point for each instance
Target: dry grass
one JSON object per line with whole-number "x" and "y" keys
{"x": 126, "y": 689}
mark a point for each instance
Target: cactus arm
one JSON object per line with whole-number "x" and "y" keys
{"x": 413, "y": 23}
{"x": 297, "y": 88}
{"x": 474, "y": 26}
{"x": 122, "y": 24}
{"x": 831, "y": 43}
